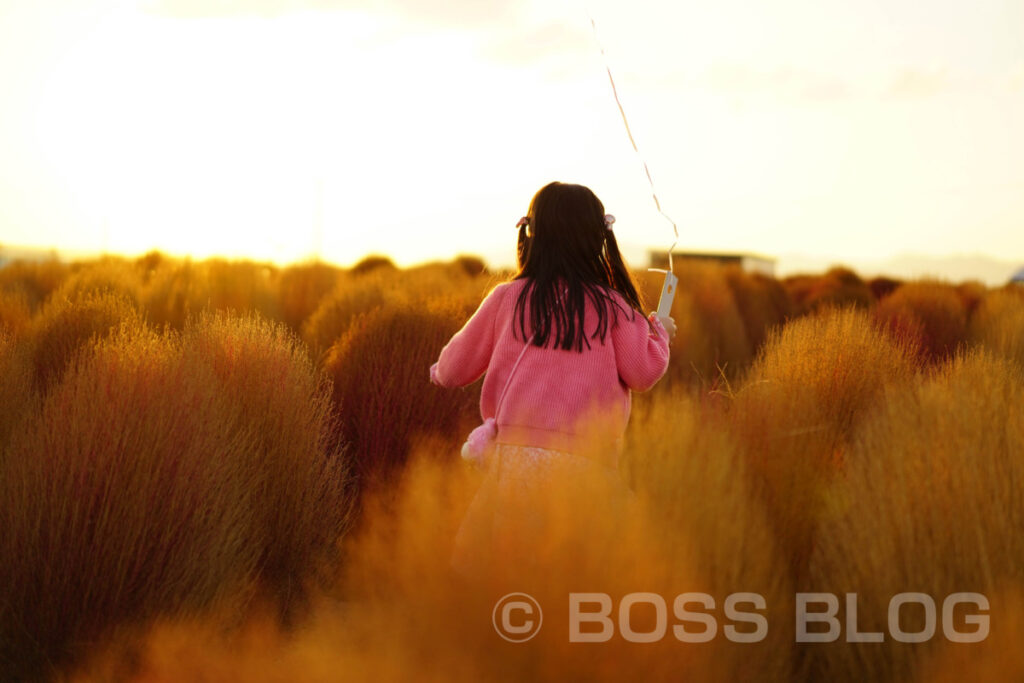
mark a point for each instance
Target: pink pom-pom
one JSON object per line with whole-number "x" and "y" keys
{"x": 479, "y": 442}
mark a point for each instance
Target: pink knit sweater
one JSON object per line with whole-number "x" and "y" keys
{"x": 562, "y": 400}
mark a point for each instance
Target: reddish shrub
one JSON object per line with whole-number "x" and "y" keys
{"x": 163, "y": 475}
{"x": 763, "y": 303}
{"x": 107, "y": 275}
{"x": 998, "y": 323}
{"x": 882, "y": 287}
{"x": 796, "y": 411}
{"x": 63, "y": 327}
{"x": 36, "y": 280}
{"x": 15, "y": 312}
{"x": 301, "y": 288}
{"x": 174, "y": 290}
{"x": 837, "y": 287}
{"x": 931, "y": 499}
{"x": 971, "y": 293}
{"x": 119, "y": 503}
{"x": 711, "y": 337}
{"x": 178, "y": 290}
{"x": 351, "y": 297}
{"x": 17, "y": 390}
{"x": 372, "y": 263}
{"x": 383, "y": 392}
{"x": 930, "y": 314}
{"x": 471, "y": 266}
{"x": 149, "y": 263}
{"x": 242, "y": 286}
{"x": 297, "y": 468}
{"x": 433, "y": 284}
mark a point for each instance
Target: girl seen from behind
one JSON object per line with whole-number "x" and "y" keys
{"x": 560, "y": 347}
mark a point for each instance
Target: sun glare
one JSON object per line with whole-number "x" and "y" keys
{"x": 224, "y": 136}
{"x": 330, "y": 133}
{"x": 340, "y": 133}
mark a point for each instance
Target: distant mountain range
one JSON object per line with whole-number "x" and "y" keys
{"x": 955, "y": 268}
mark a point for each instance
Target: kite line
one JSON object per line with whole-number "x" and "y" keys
{"x": 632, "y": 141}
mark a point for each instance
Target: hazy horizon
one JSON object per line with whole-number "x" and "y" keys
{"x": 952, "y": 268}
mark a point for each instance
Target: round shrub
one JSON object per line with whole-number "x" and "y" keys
{"x": 382, "y": 389}
{"x": 64, "y": 326}
{"x": 930, "y": 314}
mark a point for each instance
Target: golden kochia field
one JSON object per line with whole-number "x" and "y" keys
{"x": 231, "y": 471}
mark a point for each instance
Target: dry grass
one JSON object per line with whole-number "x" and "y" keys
{"x": 102, "y": 276}
{"x": 364, "y": 290}
{"x": 297, "y": 468}
{"x": 63, "y": 327}
{"x": 17, "y": 386}
{"x": 838, "y": 287}
{"x": 119, "y": 503}
{"x": 176, "y": 290}
{"x": 723, "y": 315}
{"x": 930, "y": 502}
{"x": 302, "y": 287}
{"x": 408, "y": 617}
{"x": 933, "y": 315}
{"x": 35, "y": 280}
{"x": 144, "y": 485}
{"x": 374, "y": 262}
{"x": 158, "y": 484}
{"x": 998, "y": 323}
{"x": 997, "y": 658}
{"x": 242, "y": 286}
{"x": 762, "y": 302}
{"x": 688, "y": 467}
{"x": 882, "y": 287}
{"x": 711, "y": 334}
{"x": 173, "y": 292}
{"x": 353, "y": 295}
{"x": 380, "y": 373}
{"x": 15, "y": 312}
{"x": 798, "y": 407}
{"x": 971, "y": 293}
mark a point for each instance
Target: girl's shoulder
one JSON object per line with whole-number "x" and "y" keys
{"x": 512, "y": 287}
{"x": 501, "y": 292}
{"x": 506, "y": 287}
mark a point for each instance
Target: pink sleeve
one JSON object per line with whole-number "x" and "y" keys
{"x": 466, "y": 356}
{"x": 641, "y": 350}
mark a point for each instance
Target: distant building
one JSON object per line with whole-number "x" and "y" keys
{"x": 1018, "y": 277}
{"x": 751, "y": 263}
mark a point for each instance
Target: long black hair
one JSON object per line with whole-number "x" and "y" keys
{"x": 567, "y": 254}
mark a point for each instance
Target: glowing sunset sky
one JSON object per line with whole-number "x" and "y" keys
{"x": 272, "y": 129}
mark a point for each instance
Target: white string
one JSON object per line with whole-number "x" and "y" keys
{"x": 625, "y": 121}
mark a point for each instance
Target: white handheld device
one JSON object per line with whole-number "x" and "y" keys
{"x": 668, "y": 293}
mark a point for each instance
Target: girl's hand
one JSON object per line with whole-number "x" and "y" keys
{"x": 670, "y": 326}
{"x": 433, "y": 375}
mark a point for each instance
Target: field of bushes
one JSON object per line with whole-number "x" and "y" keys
{"x": 226, "y": 470}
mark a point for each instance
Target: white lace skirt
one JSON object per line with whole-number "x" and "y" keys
{"x": 537, "y": 508}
